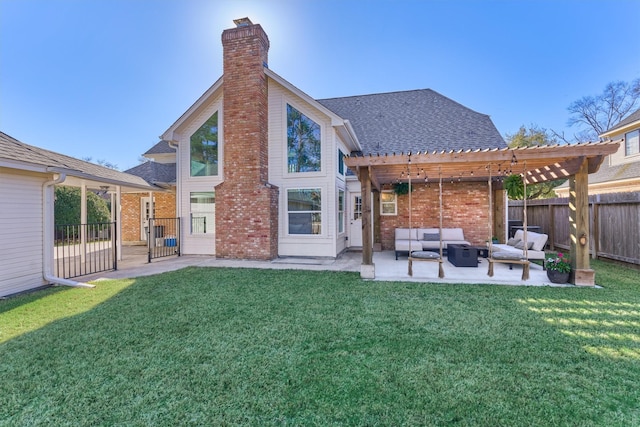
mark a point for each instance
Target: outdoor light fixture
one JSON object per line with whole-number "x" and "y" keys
{"x": 583, "y": 239}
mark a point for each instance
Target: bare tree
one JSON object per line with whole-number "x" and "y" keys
{"x": 593, "y": 115}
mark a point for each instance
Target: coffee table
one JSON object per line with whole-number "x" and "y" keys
{"x": 462, "y": 255}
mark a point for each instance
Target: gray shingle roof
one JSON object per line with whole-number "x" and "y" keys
{"x": 161, "y": 147}
{"x": 417, "y": 120}
{"x": 633, "y": 117}
{"x": 608, "y": 173}
{"x": 14, "y": 150}
{"x": 154, "y": 172}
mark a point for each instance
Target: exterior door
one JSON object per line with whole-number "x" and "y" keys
{"x": 145, "y": 211}
{"x": 355, "y": 220}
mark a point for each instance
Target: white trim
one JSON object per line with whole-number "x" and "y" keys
{"x": 344, "y": 126}
{"x": 395, "y": 203}
{"x": 171, "y": 135}
{"x": 323, "y": 216}
{"x": 324, "y": 143}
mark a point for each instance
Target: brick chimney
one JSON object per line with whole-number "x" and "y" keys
{"x": 246, "y": 204}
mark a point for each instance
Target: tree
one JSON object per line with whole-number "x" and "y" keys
{"x": 67, "y": 206}
{"x": 530, "y": 137}
{"x": 102, "y": 162}
{"x": 593, "y": 115}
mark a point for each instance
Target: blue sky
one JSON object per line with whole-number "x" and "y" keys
{"x": 104, "y": 78}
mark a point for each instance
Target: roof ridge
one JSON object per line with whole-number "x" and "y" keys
{"x": 380, "y": 93}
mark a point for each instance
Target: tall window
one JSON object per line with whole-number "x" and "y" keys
{"x": 341, "y": 211}
{"x": 204, "y": 148}
{"x": 303, "y": 142}
{"x": 388, "y": 203}
{"x": 304, "y": 208}
{"x": 340, "y": 162}
{"x": 632, "y": 143}
{"x": 203, "y": 212}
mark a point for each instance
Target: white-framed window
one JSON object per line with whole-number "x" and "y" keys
{"x": 202, "y": 212}
{"x": 388, "y": 203}
{"x": 304, "y": 148}
{"x": 203, "y": 149}
{"x": 304, "y": 211}
{"x": 340, "y": 162}
{"x": 632, "y": 143}
{"x": 341, "y": 211}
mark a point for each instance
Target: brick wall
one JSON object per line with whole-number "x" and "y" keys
{"x": 165, "y": 207}
{"x": 465, "y": 205}
{"x": 246, "y": 206}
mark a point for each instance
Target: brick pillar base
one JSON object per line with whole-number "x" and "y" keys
{"x": 247, "y": 222}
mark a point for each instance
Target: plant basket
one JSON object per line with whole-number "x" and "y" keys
{"x": 557, "y": 276}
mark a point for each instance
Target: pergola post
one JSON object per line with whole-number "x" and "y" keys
{"x": 367, "y": 269}
{"x": 499, "y": 215}
{"x": 581, "y": 273}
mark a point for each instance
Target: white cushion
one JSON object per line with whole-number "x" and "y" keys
{"x": 452, "y": 234}
{"x": 406, "y": 234}
{"x": 538, "y": 239}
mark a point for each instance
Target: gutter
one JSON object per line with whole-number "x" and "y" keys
{"x": 47, "y": 244}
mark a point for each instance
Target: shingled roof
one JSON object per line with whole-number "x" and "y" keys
{"x": 633, "y": 117}
{"x": 161, "y": 147}
{"x": 16, "y": 152}
{"x": 416, "y": 120}
{"x": 155, "y": 173}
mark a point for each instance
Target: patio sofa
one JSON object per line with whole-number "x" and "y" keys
{"x": 515, "y": 245}
{"x": 426, "y": 239}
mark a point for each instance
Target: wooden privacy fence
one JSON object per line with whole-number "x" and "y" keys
{"x": 614, "y": 222}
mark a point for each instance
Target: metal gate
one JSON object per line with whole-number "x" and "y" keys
{"x": 81, "y": 249}
{"x": 163, "y": 237}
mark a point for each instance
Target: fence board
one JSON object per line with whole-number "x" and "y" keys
{"x": 614, "y": 223}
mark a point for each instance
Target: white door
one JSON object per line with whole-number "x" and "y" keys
{"x": 355, "y": 220}
{"x": 145, "y": 210}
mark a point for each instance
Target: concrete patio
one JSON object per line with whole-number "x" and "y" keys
{"x": 134, "y": 264}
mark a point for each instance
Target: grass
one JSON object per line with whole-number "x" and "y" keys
{"x": 220, "y": 346}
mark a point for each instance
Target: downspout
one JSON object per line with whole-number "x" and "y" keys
{"x": 173, "y": 145}
{"x": 47, "y": 226}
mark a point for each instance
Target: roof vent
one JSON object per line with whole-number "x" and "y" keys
{"x": 242, "y": 22}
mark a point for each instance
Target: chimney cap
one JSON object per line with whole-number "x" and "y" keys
{"x": 242, "y": 22}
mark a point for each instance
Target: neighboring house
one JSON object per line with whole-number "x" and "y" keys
{"x": 28, "y": 175}
{"x": 159, "y": 171}
{"x": 620, "y": 171}
{"x": 260, "y": 164}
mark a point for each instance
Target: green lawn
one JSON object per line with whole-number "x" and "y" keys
{"x": 221, "y": 346}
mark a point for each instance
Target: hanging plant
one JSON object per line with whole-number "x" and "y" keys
{"x": 401, "y": 188}
{"x": 515, "y": 188}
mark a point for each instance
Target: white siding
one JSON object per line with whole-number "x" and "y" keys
{"x": 295, "y": 245}
{"x": 20, "y": 231}
{"x": 619, "y": 158}
{"x": 197, "y": 244}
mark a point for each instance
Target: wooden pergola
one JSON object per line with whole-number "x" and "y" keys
{"x": 536, "y": 164}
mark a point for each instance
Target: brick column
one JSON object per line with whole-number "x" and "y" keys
{"x": 246, "y": 204}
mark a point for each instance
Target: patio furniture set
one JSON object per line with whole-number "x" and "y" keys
{"x": 421, "y": 244}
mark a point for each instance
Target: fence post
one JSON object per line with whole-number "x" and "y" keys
{"x": 552, "y": 227}
{"x": 595, "y": 230}
{"x": 149, "y": 236}
{"x": 114, "y": 239}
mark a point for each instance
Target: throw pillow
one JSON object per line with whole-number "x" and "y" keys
{"x": 512, "y": 241}
{"x": 431, "y": 237}
{"x": 520, "y": 245}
